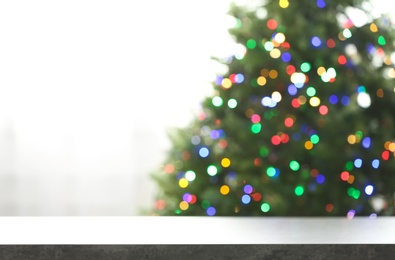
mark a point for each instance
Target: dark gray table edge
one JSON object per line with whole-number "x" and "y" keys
{"x": 198, "y": 251}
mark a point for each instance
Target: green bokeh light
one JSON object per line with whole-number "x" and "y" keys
{"x": 239, "y": 23}
{"x": 305, "y": 67}
{"x": 359, "y": 134}
{"x": 314, "y": 139}
{"x": 294, "y": 165}
{"x": 217, "y": 101}
{"x": 254, "y": 82}
{"x": 347, "y": 33}
{"x": 349, "y": 166}
{"x": 361, "y": 89}
{"x": 310, "y": 91}
{"x": 212, "y": 170}
{"x": 381, "y": 40}
{"x": 251, "y": 44}
{"x": 268, "y": 46}
{"x": 267, "y": 115}
{"x": 205, "y": 204}
{"x": 271, "y": 171}
{"x": 265, "y": 207}
{"x": 274, "y": 112}
{"x": 232, "y": 103}
{"x": 281, "y": 28}
{"x": 264, "y": 152}
{"x": 354, "y": 193}
{"x": 299, "y": 190}
{"x": 256, "y": 128}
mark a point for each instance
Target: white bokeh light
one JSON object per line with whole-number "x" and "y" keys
{"x": 364, "y": 100}
{"x": 369, "y": 189}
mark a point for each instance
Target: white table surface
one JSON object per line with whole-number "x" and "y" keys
{"x": 196, "y": 230}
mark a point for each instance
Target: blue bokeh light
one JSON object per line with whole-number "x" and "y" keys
{"x": 320, "y": 179}
{"x": 246, "y": 199}
{"x": 321, "y": 3}
{"x": 358, "y": 163}
{"x": 366, "y": 142}
{"x": 286, "y": 57}
{"x": 376, "y": 163}
{"x": 316, "y": 41}
{"x": 292, "y": 90}
{"x": 204, "y": 152}
{"x": 211, "y": 211}
{"x": 345, "y": 100}
{"x": 333, "y": 99}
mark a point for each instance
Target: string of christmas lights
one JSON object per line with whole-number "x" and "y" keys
{"x": 246, "y": 147}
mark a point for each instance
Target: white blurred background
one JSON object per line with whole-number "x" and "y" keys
{"x": 87, "y": 90}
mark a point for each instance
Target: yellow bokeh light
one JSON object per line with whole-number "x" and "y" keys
{"x": 276, "y": 96}
{"x": 387, "y": 145}
{"x": 315, "y": 101}
{"x": 302, "y": 100}
{"x": 341, "y": 36}
{"x": 351, "y": 179}
{"x": 265, "y": 72}
{"x": 225, "y": 162}
{"x": 387, "y": 60}
{"x": 284, "y": 3}
{"x": 321, "y": 70}
{"x": 275, "y": 53}
{"x": 391, "y": 147}
{"x": 280, "y": 38}
{"x": 183, "y": 183}
{"x": 273, "y": 74}
{"x": 298, "y": 78}
{"x": 373, "y": 27}
{"x": 308, "y": 145}
{"x": 276, "y": 44}
{"x": 261, "y": 81}
{"x": 224, "y": 189}
{"x": 184, "y": 205}
{"x": 249, "y": 112}
{"x": 380, "y": 93}
{"x": 226, "y": 83}
{"x": 391, "y": 73}
{"x": 351, "y": 139}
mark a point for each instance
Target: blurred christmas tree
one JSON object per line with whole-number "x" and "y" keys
{"x": 302, "y": 124}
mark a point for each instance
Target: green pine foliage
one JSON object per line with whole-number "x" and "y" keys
{"x": 302, "y": 124}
